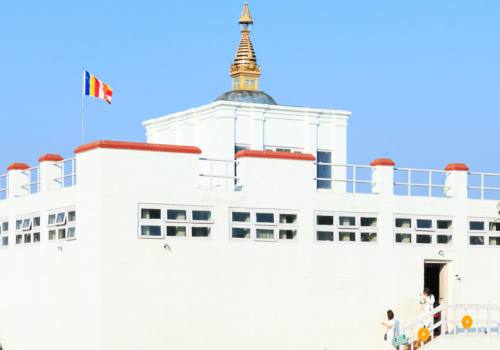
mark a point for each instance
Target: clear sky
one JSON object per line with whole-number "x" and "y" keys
{"x": 422, "y": 78}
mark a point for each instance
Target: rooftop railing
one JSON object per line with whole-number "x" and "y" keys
{"x": 4, "y": 186}
{"x": 32, "y": 180}
{"x": 354, "y": 178}
{"x": 419, "y": 182}
{"x": 218, "y": 174}
{"x": 67, "y": 177}
{"x": 483, "y": 185}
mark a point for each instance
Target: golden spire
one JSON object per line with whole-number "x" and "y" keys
{"x": 245, "y": 70}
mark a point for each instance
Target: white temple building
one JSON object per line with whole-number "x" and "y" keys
{"x": 240, "y": 225}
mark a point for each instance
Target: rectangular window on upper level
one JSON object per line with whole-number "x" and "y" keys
{"x": 346, "y": 227}
{"x": 62, "y": 224}
{"x": 169, "y": 221}
{"x": 324, "y": 169}
{"x": 28, "y": 229}
{"x": 484, "y": 232}
{"x": 4, "y": 232}
{"x": 263, "y": 224}
{"x": 423, "y": 230}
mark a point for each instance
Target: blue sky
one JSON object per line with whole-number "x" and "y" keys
{"x": 422, "y": 78}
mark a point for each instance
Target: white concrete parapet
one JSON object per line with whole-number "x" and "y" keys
{"x": 456, "y": 181}
{"x": 17, "y": 180}
{"x": 49, "y": 172}
{"x": 275, "y": 172}
{"x": 383, "y": 176}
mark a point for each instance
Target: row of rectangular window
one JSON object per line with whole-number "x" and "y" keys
{"x": 484, "y": 232}
{"x": 27, "y": 230}
{"x": 263, "y": 224}
{"x": 166, "y": 221}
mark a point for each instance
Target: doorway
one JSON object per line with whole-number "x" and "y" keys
{"x": 436, "y": 279}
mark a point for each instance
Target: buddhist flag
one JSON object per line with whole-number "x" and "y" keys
{"x": 96, "y": 88}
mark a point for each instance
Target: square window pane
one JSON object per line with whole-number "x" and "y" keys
{"x": 52, "y": 219}
{"x": 325, "y": 184}
{"x": 369, "y": 222}
{"x": 200, "y": 231}
{"x": 424, "y": 239}
{"x": 403, "y": 223}
{"x": 324, "y": 157}
{"x": 267, "y": 218}
{"x": 176, "y": 231}
{"x": 239, "y": 216}
{"x": 71, "y": 232}
{"x": 19, "y": 239}
{"x": 403, "y": 238}
{"x": 239, "y": 232}
{"x": 19, "y": 224}
{"x": 444, "y": 224}
{"x": 61, "y": 233}
{"x": 5, "y": 241}
{"x": 476, "y": 240}
{"x": 151, "y": 214}
{"x": 494, "y": 226}
{"x": 176, "y": 214}
{"x": 324, "y": 220}
{"x": 476, "y": 225}
{"x": 36, "y": 237}
{"x": 424, "y": 224}
{"x": 368, "y": 237}
{"x": 72, "y": 216}
{"x": 288, "y": 218}
{"x": 5, "y": 226}
{"x": 52, "y": 235}
{"x": 61, "y": 218}
{"x": 494, "y": 240}
{"x": 324, "y": 235}
{"x": 444, "y": 239}
{"x": 265, "y": 234}
{"x": 347, "y": 221}
{"x": 202, "y": 215}
{"x": 347, "y": 236}
{"x": 27, "y": 238}
{"x": 36, "y": 221}
{"x": 26, "y": 224}
{"x": 288, "y": 234}
{"x": 153, "y": 231}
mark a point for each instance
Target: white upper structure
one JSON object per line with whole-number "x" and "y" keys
{"x": 240, "y": 225}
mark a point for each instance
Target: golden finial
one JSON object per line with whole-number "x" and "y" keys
{"x": 244, "y": 70}
{"x": 246, "y": 17}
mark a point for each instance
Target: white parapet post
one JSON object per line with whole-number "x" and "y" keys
{"x": 383, "y": 176}
{"x": 18, "y": 180}
{"x": 455, "y": 185}
{"x": 49, "y": 172}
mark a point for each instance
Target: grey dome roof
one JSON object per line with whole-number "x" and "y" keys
{"x": 247, "y": 96}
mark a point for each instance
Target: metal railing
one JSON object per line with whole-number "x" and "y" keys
{"x": 484, "y": 185}
{"x": 67, "y": 176}
{"x": 447, "y": 320}
{"x": 419, "y": 182}
{"x": 355, "y": 178}
{"x": 218, "y": 174}
{"x": 4, "y": 186}
{"x": 33, "y": 180}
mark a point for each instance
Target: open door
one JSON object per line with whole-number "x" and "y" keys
{"x": 443, "y": 285}
{"x": 436, "y": 279}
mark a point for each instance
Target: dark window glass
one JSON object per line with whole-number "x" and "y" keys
{"x": 403, "y": 237}
{"x": 150, "y": 214}
{"x": 424, "y": 239}
{"x": 444, "y": 239}
{"x": 403, "y": 223}
{"x": 476, "y": 225}
{"x": 444, "y": 224}
{"x": 265, "y": 218}
{"x": 241, "y": 216}
{"x": 200, "y": 231}
{"x": 324, "y": 235}
{"x": 324, "y": 220}
{"x": 202, "y": 215}
{"x": 324, "y": 171}
{"x": 154, "y": 231}
{"x": 347, "y": 236}
{"x": 239, "y": 232}
{"x": 424, "y": 224}
{"x": 476, "y": 240}
{"x": 368, "y": 237}
{"x": 288, "y": 234}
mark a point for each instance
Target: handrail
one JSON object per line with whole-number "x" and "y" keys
{"x": 353, "y": 180}
{"x": 33, "y": 184}
{"x": 67, "y": 176}
{"x": 450, "y": 321}
{"x": 483, "y": 188}
{"x": 409, "y": 184}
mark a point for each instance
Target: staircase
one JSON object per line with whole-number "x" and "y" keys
{"x": 447, "y": 321}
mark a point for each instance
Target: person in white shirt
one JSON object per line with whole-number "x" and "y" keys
{"x": 391, "y": 330}
{"x": 427, "y": 301}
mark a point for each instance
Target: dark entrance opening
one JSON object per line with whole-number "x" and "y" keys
{"x": 436, "y": 279}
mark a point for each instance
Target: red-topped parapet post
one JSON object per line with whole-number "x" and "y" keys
{"x": 49, "y": 172}
{"x": 383, "y": 176}
{"x": 455, "y": 185}
{"x": 18, "y": 181}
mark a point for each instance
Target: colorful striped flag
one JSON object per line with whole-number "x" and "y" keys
{"x": 96, "y": 88}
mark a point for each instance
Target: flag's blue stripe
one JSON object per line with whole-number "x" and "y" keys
{"x": 87, "y": 83}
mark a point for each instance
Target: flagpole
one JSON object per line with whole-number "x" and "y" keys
{"x": 82, "y": 126}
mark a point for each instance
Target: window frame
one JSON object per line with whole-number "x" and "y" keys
{"x": 486, "y": 234}
{"x": 65, "y": 224}
{"x": 25, "y": 233}
{"x": 416, "y": 231}
{"x": 337, "y": 229}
